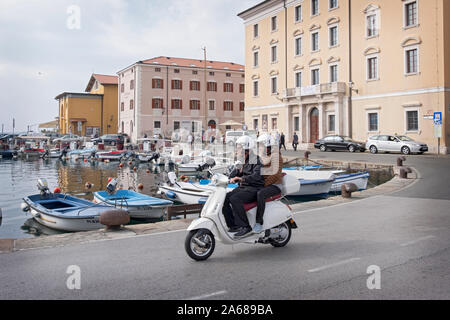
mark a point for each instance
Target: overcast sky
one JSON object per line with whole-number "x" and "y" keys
{"x": 44, "y": 53}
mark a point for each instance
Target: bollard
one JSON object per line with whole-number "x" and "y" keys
{"x": 307, "y": 153}
{"x": 0, "y": 216}
{"x": 347, "y": 189}
{"x": 400, "y": 161}
{"x": 404, "y": 172}
{"x": 113, "y": 219}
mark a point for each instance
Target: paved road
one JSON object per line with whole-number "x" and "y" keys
{"x": 406, "y": 234}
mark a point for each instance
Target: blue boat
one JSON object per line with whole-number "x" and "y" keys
{"x": 139, "y": 206}
{"x": 313, "y": 167}
{"x": 63, "y": 212}
{"x": 6, "y": 154}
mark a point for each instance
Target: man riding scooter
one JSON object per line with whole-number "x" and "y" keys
{"x": 272, "y": 161}
{"x": 250, "y": 182}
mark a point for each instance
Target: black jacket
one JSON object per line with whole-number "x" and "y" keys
{"x": 251, "y": 173}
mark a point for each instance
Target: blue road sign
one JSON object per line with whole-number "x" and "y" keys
{"x": 437, "y": 118}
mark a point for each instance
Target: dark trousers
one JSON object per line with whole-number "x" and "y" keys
{"x": 262, "y": 195}
{"x": 294, "y": 145}
{"x": 233, "y": 207}
{"x": 282, "y": 145}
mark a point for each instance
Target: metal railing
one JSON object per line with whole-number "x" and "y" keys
{"x": 323, "y": 88}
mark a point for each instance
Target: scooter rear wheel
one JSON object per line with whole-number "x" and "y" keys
{"x": 282, "y": 240}
{"x": 200, "y": 244}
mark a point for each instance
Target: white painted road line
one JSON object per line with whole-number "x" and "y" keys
{"x": 336, "y": 264}
{"x": 205, "y": 296}
{"x": 416, "y": 241}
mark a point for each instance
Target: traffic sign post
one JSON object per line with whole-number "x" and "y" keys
{"x": 437, "y": 121}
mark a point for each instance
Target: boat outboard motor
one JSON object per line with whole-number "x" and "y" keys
{"x": 43, "y": 187}
{"x": 154, "y": 156}
{"x": 111, "y": 186}
{"x": 209, "y": 163}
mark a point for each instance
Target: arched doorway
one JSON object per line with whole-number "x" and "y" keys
{"x": 313, "y": 125}
{"x": 212, "y": 124}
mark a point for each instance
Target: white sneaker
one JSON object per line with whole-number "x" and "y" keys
{"x": 257, "y": 228}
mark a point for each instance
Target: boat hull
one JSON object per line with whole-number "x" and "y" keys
{"x": 359, "y": 179}
{"x": 63, "y": 224}
{"x": 140, "y": 212}
{"x": 184, "y": 196}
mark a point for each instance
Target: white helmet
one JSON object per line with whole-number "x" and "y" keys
{"x": 267, "y": 140}
{"x": 246, "y": 142}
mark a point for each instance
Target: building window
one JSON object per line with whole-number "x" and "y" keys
{"x": 298, "y": 13}
{"x": 122, "y": 87}
{"x": 373, "y": 121}
{"x": 371, "y": 23}
{"x": 410, "y": 14}
{"x": 228, "y": 105}
{"x": 315, "y": 41}
{"x": 122, "y": 106}
{"x": 296, "y": 123}
{"x": 255, "y": 124}
{"x": 177, "y": 84}
{"x": 273, "y": 55}
{"x": 333, "y": 36}
{"x": 331, "y": 122}
{"x": 333, "y": 4}
{"x": 157, "y": 103}
{"x": 211, "y": 86}
{"x": 241, "y": 106}
{"x": 298, "y": 79}
{"x": 411, "y": 62}
{"x": 194, "y": 85}
{"x": 212, "y": 104}
{"x": 255, "y": 88}
{"x": 255, "y": 58}
{"x": 273, "y": 85}
{"x": 157, "y": 83}
{"x": 274, "y": 124}
{"x": 298, "y": 46}
{"x": 177, "y": 104}
{"x": 194, "y": 72}
{"x": 157, "y": 125}
{"x": 228, "y": 74}
{"x": 241, "y": 88}
{"x": 176, "y": 70}
{"x": 131, "y": 104}
{"x": 211, "y": 73}
{"x": 412, "y": 120}
{"x": 274, "y": 23}
{"x": 176, "y": 125}
{"x": 315, "y": 77}
{"x": 314, "y": 7}
{"x": 195, "y": 104}
{"x": 372, "y": 68}
{"x": 255, "y": 31}
{"x": 131, "y": 84}
{"x": 227, "y": 87}
{"x": 333, "y": 73}
{"x": 157, "y": 69}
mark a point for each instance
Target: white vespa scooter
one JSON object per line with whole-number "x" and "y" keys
{"x": 278, "y": 221}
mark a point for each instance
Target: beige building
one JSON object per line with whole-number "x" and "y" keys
{"x": 348, "y": 67}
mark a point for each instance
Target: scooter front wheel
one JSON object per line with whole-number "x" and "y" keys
{"x": 200, "y": 244}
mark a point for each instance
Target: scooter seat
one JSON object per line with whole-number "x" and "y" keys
{"x": 251, "y": 205}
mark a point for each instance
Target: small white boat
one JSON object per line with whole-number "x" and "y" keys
{"x": 313, "y": 183}
{"x": 138, "y": 205}
{"x": 360, "y": 179}
{"x": 111, "y": 155}
{"x": 82, "y": 153}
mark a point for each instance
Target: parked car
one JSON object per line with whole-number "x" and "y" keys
{"x": 232, "y": 135}
{"x": 393, "y": 143}
{"x": 109, "y": 139}
{"x": 67, "y": 138}
{"x": 339, "y": 143}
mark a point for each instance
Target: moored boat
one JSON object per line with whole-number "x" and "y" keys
{"x": 360, "y": 179}
{"x": 111, "y": 155}
{"x": 312, "y": 183}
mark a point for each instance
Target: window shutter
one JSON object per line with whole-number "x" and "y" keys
{"x": 224, "y": 87}
{"x": 190, "y": 85}
{"x": 162, "y": 103}
{"x": 153, "y": 103}
{"x": 231, "y": 102}
{"x": 173, "y": 81}
{"x": 153, "y": 83}
{"x": 181, "y": 104}
{"x": 162, "y": 83}
{"x": 231, "y": 87}
{"x": 181, "y": 84}
{"x": 172, "y": 104}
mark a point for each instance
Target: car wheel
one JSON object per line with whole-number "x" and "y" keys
{"x": 406, "y": 150}
{"x": 373, "y": 149}
{"x": 323, "y": 148}
{"x": 351, "y": 148}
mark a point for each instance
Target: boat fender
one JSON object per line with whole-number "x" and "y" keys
{"x": 88, "y": 185}
{"x": 140, "y": 186}
{"x": 57, "y": 190}
{"x": 171, "y": 194}
{"x": 25, "y": 207}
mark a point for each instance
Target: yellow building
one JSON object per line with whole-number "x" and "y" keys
{"x": 94, "y": 111}
{"x": 348, "y": 67}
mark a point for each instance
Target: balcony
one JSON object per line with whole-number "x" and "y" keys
{"x": 323, "y": 88}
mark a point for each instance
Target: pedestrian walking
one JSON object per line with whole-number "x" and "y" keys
{"x": 295, "y": 141}
{"x": 282, "y": 141}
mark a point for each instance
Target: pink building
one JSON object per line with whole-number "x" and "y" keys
{"x": 162, "y": 94}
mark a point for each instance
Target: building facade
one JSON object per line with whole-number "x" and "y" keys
{"x": 348, "y": 67}
{"x": 162, "y": 94}
{"x": 91, "y": 112}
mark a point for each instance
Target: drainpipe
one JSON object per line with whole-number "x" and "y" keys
{"x": 350, "y": 104}
{"x": 285, "y": 44}
{"x": 167, "y": 97}
{"x": 101, "y": 115}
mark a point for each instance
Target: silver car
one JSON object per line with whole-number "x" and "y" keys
{"x": 394, "y": 143}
